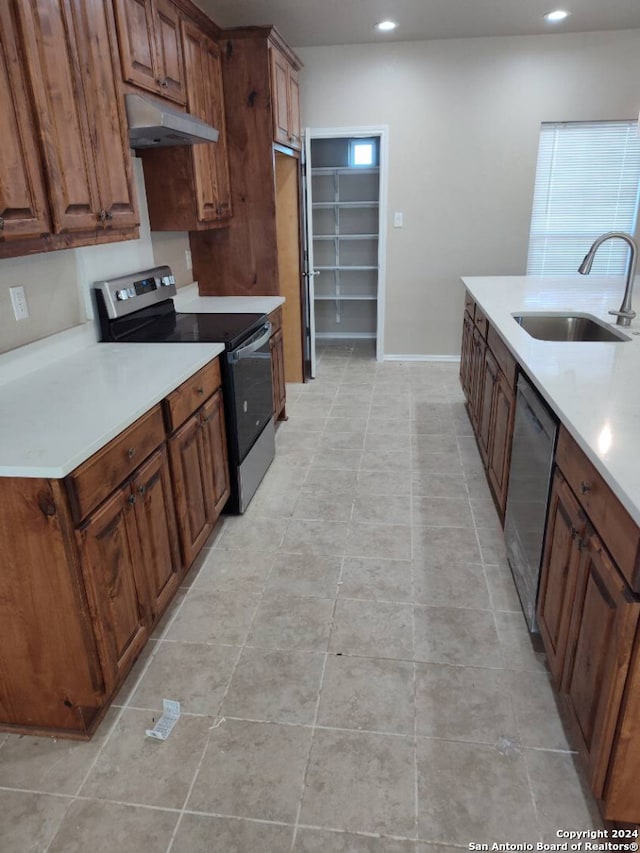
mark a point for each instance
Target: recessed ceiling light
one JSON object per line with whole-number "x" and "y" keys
{"x": 557, "y": 15}
{"x": 386, "y": 26}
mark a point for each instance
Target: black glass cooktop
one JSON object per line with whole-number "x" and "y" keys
{"x": 227, "y": 329}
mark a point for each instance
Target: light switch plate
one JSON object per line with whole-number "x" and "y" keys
{"x": 19, "y": 303}
{"x": 398, "y": 219}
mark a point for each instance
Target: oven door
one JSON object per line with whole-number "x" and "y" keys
{"x": 249, "y": 371}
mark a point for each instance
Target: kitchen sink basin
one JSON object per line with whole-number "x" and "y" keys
{"x": 567, "y": 327}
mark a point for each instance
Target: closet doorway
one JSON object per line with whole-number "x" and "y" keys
{"x": 345, "y": 181}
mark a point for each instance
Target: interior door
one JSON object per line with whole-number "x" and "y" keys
{"x": 308, "y": 271}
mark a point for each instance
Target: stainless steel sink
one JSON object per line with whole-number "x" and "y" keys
{"x": 567, "y": 327}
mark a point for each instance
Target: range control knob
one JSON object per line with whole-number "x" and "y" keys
{"x": 165, "y": 281}
{"x": 131, "y": 291}
{"x": 172, "y": 279}
{"x": 122, "y": 294}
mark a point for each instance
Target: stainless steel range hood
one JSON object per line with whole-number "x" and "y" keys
{"x": 153, "y": 125}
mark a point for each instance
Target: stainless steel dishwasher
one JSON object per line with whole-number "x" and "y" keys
{"x": 534, "y": 441}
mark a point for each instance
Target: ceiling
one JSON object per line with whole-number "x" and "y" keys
{"x": 325, "y": 22}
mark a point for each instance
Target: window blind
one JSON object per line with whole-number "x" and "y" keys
{"x": 587, "y": 183}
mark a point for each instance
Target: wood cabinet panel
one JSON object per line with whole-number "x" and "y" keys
{"x": 157, "y": 530}
{"x": 189, "y": 396}
{"x": 137, "y": 42}
{"x": 566, "y": 527}
{"x": 193, "y": 487}
{"x": 465, "y": 354}
{"x": 486, "y": 409}
{"x": 215, "y": 438}
{"x": 103, "y": 472}
{"x": 601, "y": 640}
{"x": 500, "y": 440}
{"x": 169, "y": 51}
{"x": 276, "y": 346}
{"x": 294, "y": 111}
{"x": 23, "y": 204}
{"x": 114, "y": 578}
{"x": 280, "y": 95}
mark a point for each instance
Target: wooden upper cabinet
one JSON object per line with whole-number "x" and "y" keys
{"x": 69, "y": 47}
{"x": 285, "y": 93}
{"x": 151, "y": 46}
{"x": 206, "y": 101}
{"x": 23, "y": 205}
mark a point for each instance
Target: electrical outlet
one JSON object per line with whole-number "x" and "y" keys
{"x": 187, "y": 257}
{"x": 19, "y": 303}
{"x": 398, "y": 220}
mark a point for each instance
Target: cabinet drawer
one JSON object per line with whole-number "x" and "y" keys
{"x": 469, "y": 305}
{"x": 96, "y": 478}
{"x": 620, "y": 532}
{"x": 275, "y": 318}
{"x": 189, "y": 396}
{"x": 481, "y": 321}
{"x": 501, "y": 353}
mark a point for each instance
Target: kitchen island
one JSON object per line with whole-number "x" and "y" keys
{"x": 589, "y": 597}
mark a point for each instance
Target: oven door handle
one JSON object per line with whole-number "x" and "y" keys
{"x": 254, "y": 343}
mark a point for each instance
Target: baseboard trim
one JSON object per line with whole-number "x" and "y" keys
{"x": 412, "y": 357}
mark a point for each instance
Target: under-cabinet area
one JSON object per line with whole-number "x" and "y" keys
{"x": 93, "y": 557}
{"x": 588, "y": 603}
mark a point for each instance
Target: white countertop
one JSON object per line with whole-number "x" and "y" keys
{"x": 188, "y": 301}
{"x": 594, "y": 388}
{"x": 55, "y": 417}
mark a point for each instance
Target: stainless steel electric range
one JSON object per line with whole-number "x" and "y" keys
{"x": 139, "y": 308}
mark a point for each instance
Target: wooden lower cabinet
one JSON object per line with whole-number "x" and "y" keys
{"x": 198, "y": 452}
{"x": 276, "y": 345}
{"x": 465, "y": 354}
{"x": 500, "y": 437}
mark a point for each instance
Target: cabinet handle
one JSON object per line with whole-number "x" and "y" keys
{"x": 200, "y": 390}
{"x": 574, "y": 532}
{"x": 1, "y": 223}
{"x": 142, "y": 490}
{"x": 131, "y": 452}
{"x": 584, "y": 487}
{"x": 102, "y": 216}
{"x": 205, "y": 419}
{"x": 162, "y": 81}
{"x": 131, "y": 499}
{"x": 109, "y": 215}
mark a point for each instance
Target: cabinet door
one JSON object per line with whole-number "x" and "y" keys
{"x": 157, "y": 528}
{"x": 23, "y": 206}
{"x": 59, "y": 97}
{"x": 193, "y": 487}
{"x": 476, "y": 377}
{"x": 96, "y": 39}
{"x": 280, "y": 97}
{"x": 136, "y": 36}
{"x": 465, "y": 354}
{"x": 169, "y": 51}
{"x": 601, "y": 640}
{"x": 500, "y": 439}
{"x": 566, "y": 525}
{"x": 114, "y": 578}
{"x": 202, "y": 59}
{"x": 212, "y": 418}
{"x": 216, "y": 117}
{"x": 276, "y": 345}
{"x": 486, "y": 408}
{"x": 295, "y": 131}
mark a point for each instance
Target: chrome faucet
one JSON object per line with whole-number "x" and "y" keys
{"x": 625, "y": 315}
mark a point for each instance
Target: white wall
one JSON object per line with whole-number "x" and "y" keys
{"x": 464, "y": 118}
{"x": 57, "y": 284}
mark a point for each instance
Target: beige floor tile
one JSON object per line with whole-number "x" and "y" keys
{"x": 492, "y": 545}
{"x": 171, "y": 612}
{"x": 388, "y": 459}
{"x": 391, "y": 541}
{"x": 376, "y": 579}
{"x": 360, "y": 782}
{"x": 384, "y": 483}
{"x": 201, "y": 834}
{"x": 382, "y": 509}
{"x": 377, "y": 442}
{"x": 367, "y": 693}
{"x": 464, "y": 703}
{"x": 456, "y": 585}
{"x": 445, "y": 442}
{"x": 288, "y": 622}
{"x": 337, "y": 424}
{"x": 263, "y": 534}
{"x": 320, "y": 504}
{"x": 337, "y": 460}
{"x": 137, "y": 769}
{"x": 324, "y": 841}
{"x": 238, "y": 570}
{"x": 391, "y": 409}
{"x": 28, "y": 822}
{"x": 442, "y": 546}
{"x": 333, "y": 440}
{"x": 105, "y": 827}
{"x": 427, "y": 484}
{"x": 502, "y": 589}
{"x": 304, "y": 574}
{"x": 311, "y": 536}
{"x": 561, "y": 796}
{"x": 276, "y": 756}
{"x": 194, "y": 674}
{"x": 381, "y": 425}
{"x": 436, "y": 463}
{"x": 215, "y": 616}
{"x": 372, "y": 629}
{"x": 516, "y": 645}
{"x": 50, "y": 765}
{"x": 334, "y": 482}
{"x": 537, "y": 712}
{"x": 485, "y": 514}
{"x": 442, "y": 512}
{"x": 457, "y": 636}
{"x": 276, "y": 686}
{"x": 469, "y": 792}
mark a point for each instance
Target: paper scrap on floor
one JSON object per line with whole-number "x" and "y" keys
{"x": 164, "y": 726}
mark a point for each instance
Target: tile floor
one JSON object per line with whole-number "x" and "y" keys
{"x": 353, "y": 667}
